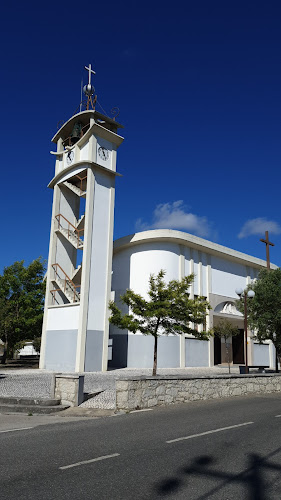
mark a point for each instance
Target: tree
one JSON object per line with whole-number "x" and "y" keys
{"x": 22, "y": 293}
{"x": 169, "y": 310}
{"x": 225, "y": 330}
{"x": 264, "y": 309}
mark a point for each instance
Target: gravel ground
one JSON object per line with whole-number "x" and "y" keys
{"x": 26, "y": 383}
{"x": 38, "y": 383}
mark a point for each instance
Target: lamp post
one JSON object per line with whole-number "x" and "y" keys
{"x": 244, "y": 294}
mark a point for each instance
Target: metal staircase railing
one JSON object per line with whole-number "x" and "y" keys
{"x": 81, "y": 179}
{"x": 70, "y": 290}
{"x": 80, "y": 187}
{"x": 72, "y": 231}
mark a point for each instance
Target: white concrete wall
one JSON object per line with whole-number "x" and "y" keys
{"x": 133, "y": 265}
{"x": 121, "y": 272}
{"x": 196, "y": 262}
{"x": 99, "y": 252}
{"x": 150, "y": 258}
{"x": 84, "y": 151}
{"x": 227, "y": 276}
{"x": 63, "y": 318}
{"x": 108, "y": 145}
{"x": 204, "y": 290}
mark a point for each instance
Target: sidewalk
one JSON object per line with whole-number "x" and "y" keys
{"x": 38, "y": 383}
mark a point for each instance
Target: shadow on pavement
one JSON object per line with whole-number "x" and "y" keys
{"x": 253, "y": 478}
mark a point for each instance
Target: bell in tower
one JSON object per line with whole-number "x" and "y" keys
{"x": 76, "y": 133}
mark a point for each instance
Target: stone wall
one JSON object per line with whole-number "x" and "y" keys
{"x": 146, "y": 392}
{"x": 69, "y": 389}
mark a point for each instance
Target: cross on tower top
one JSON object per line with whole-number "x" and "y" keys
{"x": 267, "y": 243}
{"x": 90, "y": 71}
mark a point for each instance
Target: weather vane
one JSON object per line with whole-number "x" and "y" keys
{"x": 89, "y": 89}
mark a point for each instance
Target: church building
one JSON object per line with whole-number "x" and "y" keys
{"x": 219, "y": 271}
{"x": 85, "y": 270}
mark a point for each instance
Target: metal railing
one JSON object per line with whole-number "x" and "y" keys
{"x": 68, "y": 286}
{"x": 76, "y": 233}
{"x": 69, "y": 140}
{"x": 81, "y": 179}
{"x": 53, "y": 293}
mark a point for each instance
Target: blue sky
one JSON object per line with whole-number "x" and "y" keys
{"x": 198, "y": 86}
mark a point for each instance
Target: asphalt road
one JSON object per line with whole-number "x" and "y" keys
{"x": 228, "y": 449}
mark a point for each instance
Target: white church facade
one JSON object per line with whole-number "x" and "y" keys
{"x": 85, "y": 270}
{"x": 218, "y": 270}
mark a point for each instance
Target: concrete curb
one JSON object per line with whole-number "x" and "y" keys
{"x": 77, "y": 411}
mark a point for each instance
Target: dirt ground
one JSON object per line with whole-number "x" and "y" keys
{"x": 20, "y": 363}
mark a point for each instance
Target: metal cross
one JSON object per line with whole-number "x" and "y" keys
{"x": 90, "y": 70}
{"x": 267, "y": 243}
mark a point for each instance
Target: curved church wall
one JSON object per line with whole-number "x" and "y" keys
{"x": 217, "y": 275}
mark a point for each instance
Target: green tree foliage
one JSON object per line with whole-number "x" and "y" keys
{"x": 22, "y": 293}
{"x": 226, "y": 330}
{"x": 37, "y": 344}
{"x": 169, "y": 310}
{"x": 264, "y": 309}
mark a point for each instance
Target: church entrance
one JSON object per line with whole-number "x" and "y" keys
{"x": 217, "y": 350}
{"x": 238, "y": 348}
{"x": 231, "y": 350}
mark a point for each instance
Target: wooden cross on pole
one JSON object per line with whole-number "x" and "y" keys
{"x": 267, "y": 243}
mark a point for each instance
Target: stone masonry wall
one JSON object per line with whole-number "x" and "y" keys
{"x": 69, "y": 389}
{"x": 146, "y": 392}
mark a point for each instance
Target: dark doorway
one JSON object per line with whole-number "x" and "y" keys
{"x": 217, "y": 350}
{"x": 238, "y": 348}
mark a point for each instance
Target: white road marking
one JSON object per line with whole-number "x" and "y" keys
{"x": 208, "y": 432}
{"x": 105, "y": 457}
{"x": 276, "y": 416}
{"x": 144, "y": 409}
{"x": 12, "y": 430}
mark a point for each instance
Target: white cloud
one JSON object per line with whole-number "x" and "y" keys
{"x": 259, "y": 226}
{"x": 175, "y": 216}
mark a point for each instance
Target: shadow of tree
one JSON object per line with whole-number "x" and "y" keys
{"x": 252, "y": 477}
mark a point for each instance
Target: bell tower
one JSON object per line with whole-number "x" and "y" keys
{"x": 75, "y": 326}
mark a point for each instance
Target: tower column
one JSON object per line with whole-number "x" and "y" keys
{"x": 51, "y": 259}
{"x": 75, "y": 327}
{"x": 84, "y": 302}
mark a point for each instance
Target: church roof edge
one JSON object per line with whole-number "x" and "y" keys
{"x": 187, "y": 238}
{"x": 84, "y": 114}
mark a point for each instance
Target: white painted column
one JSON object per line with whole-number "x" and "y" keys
{"x": 208, "y": 321}
{"x": 109, "y": 279}
{"x": 191, "y": 271}
{"x": 84, "y": 298}
{"x": 250, "y": 344}
{"x": 271, "y": 355}
{"x": 181, "y": 276}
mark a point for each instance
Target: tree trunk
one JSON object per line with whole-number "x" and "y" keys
{"x": 4, "y": 356}
{"x": 228, "y": 356}
{"x": 155, "y": 356}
